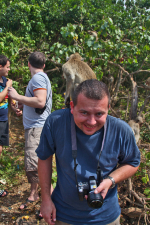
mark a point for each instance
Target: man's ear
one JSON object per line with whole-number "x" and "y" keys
{"x": 72, "y": 106}
{"x": 43, "y": 66}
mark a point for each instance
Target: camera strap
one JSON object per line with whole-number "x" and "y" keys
{"x": 74, "y": 150}
{"x": 47, "y": 89}
{"x": 74, "y": 146}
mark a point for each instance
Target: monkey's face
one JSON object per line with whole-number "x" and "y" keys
{"x": 90, "y": 114}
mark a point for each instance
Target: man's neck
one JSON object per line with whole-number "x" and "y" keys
{"x": 34, "y": 71}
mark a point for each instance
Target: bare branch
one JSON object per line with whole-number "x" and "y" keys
{"x": 127, "y": 40}
{"x": 134, "y": 203}
{"x": 141, "y": 200}
{"x": 56, "y": 63}
{"x": 143, "y": 106}
{"x": 127, "y": 105}
{"x": 144, "y": 86}
{"x": 52, "y": 70}
{"x": 147, "y": 125}
{"x": 114, "y": 112}
{"x": 140, "y": 71}
{"x": 142, "y": 64}
{"x": 120, "y": 67}
{"x": 116, "y": 65}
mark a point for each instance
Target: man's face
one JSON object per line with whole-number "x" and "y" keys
{"x": 90, "y": 114}
{"x": 5, "y": 69}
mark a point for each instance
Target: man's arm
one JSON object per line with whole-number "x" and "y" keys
{"x": 121, "y": 173}
{"x": 48, "y": 210}
{"x": 5, "y": 91}
{"x": 38, "y": 101}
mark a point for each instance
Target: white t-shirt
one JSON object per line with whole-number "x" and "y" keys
{"x": 30, "y": 117}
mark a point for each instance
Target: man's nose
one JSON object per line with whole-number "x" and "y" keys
{"x": 92, "y": 120}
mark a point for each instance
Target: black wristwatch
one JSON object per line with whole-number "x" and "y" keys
{"x": 113, "y": 181}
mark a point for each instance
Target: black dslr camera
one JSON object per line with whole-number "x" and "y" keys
{"x": 87, "y": 188}
{"x": 40, "y": 111}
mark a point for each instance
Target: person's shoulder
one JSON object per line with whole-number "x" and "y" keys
{"x": 40, "y": 76}
{"x": 118, "y": 123}
{"x": 4, "y": 79}
{"x": 59, "y": 115}
{"x": 60, "y": 112}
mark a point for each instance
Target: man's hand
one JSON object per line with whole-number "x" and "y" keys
{"x": 20, "y": 105}
{"x": 103, "y": 187}
{"x": 9, "y": 83}
{"x": 15, "y": 107}
{"x": 48, "y": 211}
{"x": 18, "y": 112}
{"x": 13, "y": 93}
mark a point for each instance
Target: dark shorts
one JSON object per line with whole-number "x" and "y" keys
{"x": 4, "y": 133}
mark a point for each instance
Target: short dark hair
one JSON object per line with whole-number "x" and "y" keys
{"x": 37, "y": 60}
{"x": 3, "y": 60}
{"x": 92, "y": 89}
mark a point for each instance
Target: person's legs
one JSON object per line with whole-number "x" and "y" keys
{"x": 34, "y": 182}
{"x": 34, "y": 192}
{"x": 32, "y": 138}
{"x": 4, "y": 140}
{"x": 33, "y": 196}
{"x": 4, "y": 135}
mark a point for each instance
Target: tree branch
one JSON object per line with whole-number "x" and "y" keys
{"x": 52, "y": 70}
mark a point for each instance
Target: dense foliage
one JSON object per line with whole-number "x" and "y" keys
{"x": 59, "y": 28}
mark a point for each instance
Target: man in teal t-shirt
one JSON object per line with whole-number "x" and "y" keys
{"x": 96, "y": 134}
{"x": 5, "y": 84}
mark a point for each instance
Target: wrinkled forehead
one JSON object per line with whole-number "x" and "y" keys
{"x": 83, "y": 95}
{"x": 85, "y": 102}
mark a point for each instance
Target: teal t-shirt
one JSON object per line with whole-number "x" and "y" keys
{"x": 4, "y": 103}
{"x": 119, "y": 147}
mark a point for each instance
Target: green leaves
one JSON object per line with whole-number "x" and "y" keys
{"x": 10, "y": 167}
{"x": 60, "y": 28}
{"x": 147, "y": 192}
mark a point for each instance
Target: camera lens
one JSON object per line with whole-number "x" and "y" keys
{"x": 95, "y": 200}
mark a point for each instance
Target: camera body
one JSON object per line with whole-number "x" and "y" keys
{"x": 87, "y": 188}
{"x": 40, "y": 111}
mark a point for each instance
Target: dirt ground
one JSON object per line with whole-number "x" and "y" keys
{"x": 9, "y": 213}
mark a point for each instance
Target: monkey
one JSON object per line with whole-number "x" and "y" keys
{"x": 75, "y": 71}
{"x": 136, "y": 129}
{"x": 135, "y": 126}
{"x": 148, "y": 81}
